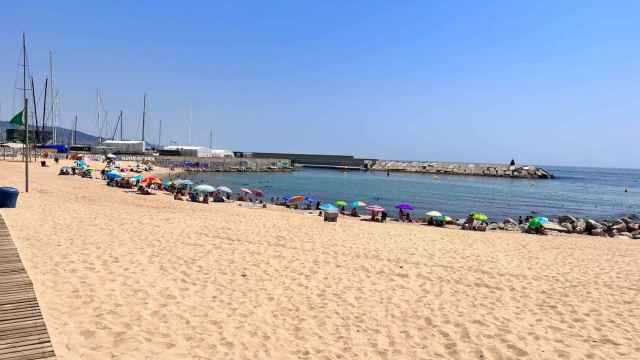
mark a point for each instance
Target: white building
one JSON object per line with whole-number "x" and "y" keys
{"x": 199, "y": 151}
{"x": 122, "y": 146}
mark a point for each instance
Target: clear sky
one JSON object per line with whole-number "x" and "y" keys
{"x": 546, "y": 82}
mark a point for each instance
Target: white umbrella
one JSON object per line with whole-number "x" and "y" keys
{"x": 433, "y": 213}
{"x": 224, "y": 189}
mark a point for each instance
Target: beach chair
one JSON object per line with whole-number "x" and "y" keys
{"x": 330, "y": 216}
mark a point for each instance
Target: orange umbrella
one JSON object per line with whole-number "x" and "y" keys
{"x": 296, "y": 199}
{"x": 150, "y": 180}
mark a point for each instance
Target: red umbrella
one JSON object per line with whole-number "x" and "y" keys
{"x": 257, "y": 192}
{"x": 150, "y": 180}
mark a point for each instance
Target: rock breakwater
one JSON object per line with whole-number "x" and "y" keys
{"x": 495, "y": 170}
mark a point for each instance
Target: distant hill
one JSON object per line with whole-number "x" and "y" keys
{"x": 63, "y": 135}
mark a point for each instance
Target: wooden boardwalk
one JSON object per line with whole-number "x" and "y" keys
{"x": 23, "y": 333}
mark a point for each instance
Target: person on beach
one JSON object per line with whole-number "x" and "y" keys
{"x": 205, "y": 199}
{"x": 520, "y": 221}
{"x": 407, "y": 217}
{"x": 343, "y": 211}
{"x": 383, "y": 217}
{"x": 400, "y": 215}
{"x": 354, "y": 212}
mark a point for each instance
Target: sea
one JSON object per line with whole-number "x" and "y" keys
{"x": 584, "y": 192}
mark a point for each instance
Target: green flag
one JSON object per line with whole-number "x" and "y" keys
{"x": 17, "y": 119}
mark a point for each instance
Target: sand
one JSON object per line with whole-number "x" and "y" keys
{"x": 126, "y": 276}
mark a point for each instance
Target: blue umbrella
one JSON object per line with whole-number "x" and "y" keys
{"x": 113, "y": 176}
{"x": 328, "y": 207}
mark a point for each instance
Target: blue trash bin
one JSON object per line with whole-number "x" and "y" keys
{"x": 8, "y": 197}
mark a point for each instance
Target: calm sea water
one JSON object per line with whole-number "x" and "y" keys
{"x": 589, "y": 192}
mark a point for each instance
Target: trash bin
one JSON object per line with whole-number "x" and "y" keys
{"x": 8, "y": 197}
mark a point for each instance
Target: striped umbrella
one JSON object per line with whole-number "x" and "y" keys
{"x": 375, "y": 208}
{"x": 295, "y": 199}
{"x": 358, "y": 204}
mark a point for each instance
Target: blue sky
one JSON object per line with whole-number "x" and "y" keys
{"x": 547, "y": 82}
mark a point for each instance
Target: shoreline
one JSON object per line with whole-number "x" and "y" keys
{"x": 159, "y": 278}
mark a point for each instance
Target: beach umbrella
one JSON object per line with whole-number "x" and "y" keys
{"x": 295, "y": 199}
{"x": 150, "y": 179}
{"x": 111, "y": 156}
{"x": 247, "y": 191}
{"x": 224, "y": 189}
{"x": 257, "y": 192}
{"x": 375, "y": 208}
{"x": 443, "y": 218}
{"x": 341, "y": 203}
{"x": 113, "y": 175}
{"x": 479, "y": 216}
{"x": 433, "y": 213}
{"x": 328, "y": 208}
{"x": 166, "y": 183}
{"x": 181, "y": 182}
{"x": 204, "y": 188}
{"x": 537, "y": 222}
{"x": 358, "y": 204}
{"x": 404, "y": 206}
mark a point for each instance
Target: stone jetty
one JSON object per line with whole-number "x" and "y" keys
{"x": 495, "y": 170}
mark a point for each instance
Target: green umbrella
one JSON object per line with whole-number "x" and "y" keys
{"x": 479, "y": 216}
{"x": 537, "y": 222}
{"x": 341, "y": 203}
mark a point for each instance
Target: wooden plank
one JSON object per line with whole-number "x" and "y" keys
{"x": 23, "y": 332}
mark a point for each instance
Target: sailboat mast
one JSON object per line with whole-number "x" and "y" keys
{"x": 25, "y": 114}
{"x": 75, "y": 130}
{"x": 44, "y": 108}
{"x": 98, "y": 115}
{"x": 53, "y": 98}
{"x": 144, "y": 114}
{"x": 35, "y": 107}
{"x": 121, "y": 121}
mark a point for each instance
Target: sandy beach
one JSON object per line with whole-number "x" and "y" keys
{"x": 124, "y": 276}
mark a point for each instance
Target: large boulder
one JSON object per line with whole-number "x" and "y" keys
{"x": 597, "y": 232}
{"x": 626, "y": 234}
{"x": 636, "y": 237}
{"x": 509, "y": 221}
{"x": 567, "y": 226}
{"x": 620, "y": 227}
{"x": 592, "y": 225}
{"x": 567, "y": 219}
{"x": 554, "y": 227}
{"x": 580, "y": 226}
{"x": 631, "y": 227}
{"x": 492, "y": 226}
